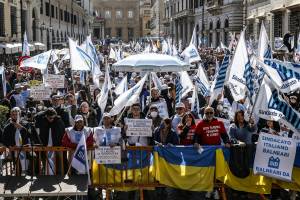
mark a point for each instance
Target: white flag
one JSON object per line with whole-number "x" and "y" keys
{"x": 202, "y": 82}
{"x": 236, "y": 73}
{"x": 80, "y": 159}
{"x": 174, "y": 51}
{"x": 25, "y": 50}
{"x": 195, "y": 102}
{"x": 194, "y": 38}
{"x": 39, "y": 61}
{"x": 186, "y": 83}
{"x": 285, "y": 79}
{"x": 129, "y": 97}
{"x": 191, "y": 54}
{"x": 156, "y": 81}
{"x": 264, "y": 48}
{"x": 102, "y": 100}
{"x": 271, "y": 106}
{"x": 79, "y": 59}
{"x": 122, "y": 86}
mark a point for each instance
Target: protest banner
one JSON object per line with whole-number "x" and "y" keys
{"x": 275, "y": 156}
{"x": 40, "y": 93}
{"x": 34, "y": 83}
{"x": 108, "y": 155}
{"x": 55, "y": 81}
{"x": 139, "y": 127}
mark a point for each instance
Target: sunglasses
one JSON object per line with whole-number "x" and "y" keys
{"x": 209, "y": 113}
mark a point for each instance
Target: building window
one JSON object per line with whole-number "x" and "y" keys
{"x": 119, "y": 32}
{"x": 75, "y": 19}
{"x": 47, "y": 9}
{"x": 210, "y": 25}
{"x": 2, "y": 32}
{"x": 108, "y": 32}
{"x": 119, "y": 14}
{"x": 278, "y": 24}
{"x": 226, "y": 23}
{"x": 13, "y": 19}
{"x": 130, "y": 14}
{"x": 42, "y": 7}
{"x": 218, "y": 24}
{"x": 52, "y": 11}
{"x": 107, "y": 14}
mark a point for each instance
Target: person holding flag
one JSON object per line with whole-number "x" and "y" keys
{"x": 73, "y": 134}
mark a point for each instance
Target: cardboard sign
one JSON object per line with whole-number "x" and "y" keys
{"x": 40, "y": 93}
{"x": 108, "y": 155}
{"x": 139, "y": 127}
{"x": 55, "y": 81}
{"x": 275, "y": 156}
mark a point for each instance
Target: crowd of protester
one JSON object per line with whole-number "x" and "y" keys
{"x": 73, "y": 110}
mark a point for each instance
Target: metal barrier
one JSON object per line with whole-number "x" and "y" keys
{"x": 110, "y": 177}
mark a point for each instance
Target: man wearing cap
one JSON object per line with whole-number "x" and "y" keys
{"x": 107, "y": 134}
{"x": 73, "y": 134}
{"x": 180, "y": 111}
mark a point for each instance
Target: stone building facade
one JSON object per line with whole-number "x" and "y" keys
{"x": 121, "y": 18}
{"x": 48, "y": 21}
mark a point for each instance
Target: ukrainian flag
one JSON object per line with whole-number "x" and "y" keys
{"x": 135, "y": 171}
{"x": 185, "y": 168}
{"x": 295, "y": 184}
{"x": 252, "y": 183}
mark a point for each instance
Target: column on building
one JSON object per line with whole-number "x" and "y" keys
{"x": 188, "y": 32}
{"x": 38, "y": 30}
{"x": 222, "y": 35}
{"x": 179, "y": 30}
{"x": 255, "y": 29}
{"x": 176, "y": 31}
{"x": 271, "y": 35}
{"x": 214, "y": 37}
{"x": 286, "y": 21}
{"x": 184, "y": 32}
{"x": 19, "y": 34}
{"x": 29, "y": 21}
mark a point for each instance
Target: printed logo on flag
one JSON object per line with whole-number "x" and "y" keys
{"x": 80, "y": 156}
{"x": 193, "y": 53}
{"x": 42, "y": 59}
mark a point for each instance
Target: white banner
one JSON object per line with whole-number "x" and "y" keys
{"x": 275, "y": 156}
{"x": 108, "y": 155}
{"x": 55, "y": 81}
{"x": 40, "y": 93}
{"x": 139, "y": 127}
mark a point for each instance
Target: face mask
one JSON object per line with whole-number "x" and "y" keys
{"x": 153, "y": 114}
{"x": 220, "y": 108}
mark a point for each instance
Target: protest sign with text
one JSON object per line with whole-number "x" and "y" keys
{"x": 139, "y": 127}
{"x": 108, "y": 155}
{"x": 40, "y": 93}
{"x": 275, "y": 156}
{"x": 55, "y": 81}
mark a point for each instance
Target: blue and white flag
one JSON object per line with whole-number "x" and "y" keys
{"x": 271, "y": 106}
{"x": 194, "y": 37}
{"x": 122, "y": 86}
{"x": 186, "y": 83}
{"x": 178, "y": 89}
{"x": 219, "y": 81}
{"x": 79, "y": 59}
{"x": 202, "y": 82}
{"x": 156, "y": 81}
{"x": 239, "y": 74}
{"x": 190, "y": 54}
{"x": 264, "y": 48}
{"x": 278, "y": 63}
{"x": 25, "y": 49}
{"x": 129, "y": 97}
{"x": 165, "y": 48}
{"x": 285, "y": 79}
{"x": 102, "y": 100}
{"x": 80, "y": 159}
{"x": 39, "y": 61}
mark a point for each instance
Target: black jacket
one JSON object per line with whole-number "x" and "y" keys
{"x": 8, "y": 137}
{"x": 57, "y": 127}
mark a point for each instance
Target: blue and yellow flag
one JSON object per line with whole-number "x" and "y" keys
{"x": 185, "y": 168}
{"x": 134, "y": 171}
{"x": 253, "y": 183}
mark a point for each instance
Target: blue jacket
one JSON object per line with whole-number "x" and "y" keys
{"x": 172, "y": 137}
